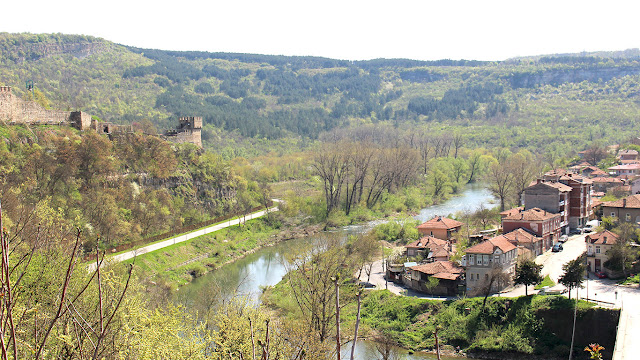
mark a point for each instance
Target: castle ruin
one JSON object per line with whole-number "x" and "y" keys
{"x": 189, "y": 130}
{"x": 14, "y": 111}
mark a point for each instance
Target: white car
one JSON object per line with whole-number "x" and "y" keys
{"x": 563, "y": 238}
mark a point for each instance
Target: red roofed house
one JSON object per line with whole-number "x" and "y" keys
{"x": 440, "y": 227}
{"x": 628, "y": 156}
{"x": 525, "y": 241}
{"x": 433, "y": 249}
{"x": 626, "y": 209}
{"x": 604, "y": 183}
{"x": 448, "y": 275}
{"x": 540, "y": 222}
{"x": 496, "y": 254}
{"x": 626, "y": 170}
{"x": 597, "y": 246}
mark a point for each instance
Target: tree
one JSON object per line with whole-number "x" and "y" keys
{"x": 621, "y": 256}
{"x": 524, "y": 168}
{"x": 574, "y": 272}
{"x": 331, "y": 165}
{"x": 528, "y": 273}
{"x": 595, "y": 153}
{"x": 497, "y": 279}
{"x": 310, "y": 278}
{"x": 500, "y": 181}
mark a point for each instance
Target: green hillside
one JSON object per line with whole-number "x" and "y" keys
{"x": 549, "y": 103}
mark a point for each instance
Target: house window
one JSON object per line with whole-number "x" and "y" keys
{"x": 597, "y": 249}
{"x": 486, "y": 277}
{"x": 627, "y": 217}
{"x": 485, "y": 259}
{"x": 613, "y": 214}
{"x": 472, "y": 259}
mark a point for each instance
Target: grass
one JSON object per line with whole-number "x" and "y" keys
{"x": 181, "y": 234}
{"x": 179, "y": 263}
{"x": 633, "y": 279}
{"x": 545, "y": 282}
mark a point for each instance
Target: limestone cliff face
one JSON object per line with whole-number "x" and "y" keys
{"x": 35, "y": 51}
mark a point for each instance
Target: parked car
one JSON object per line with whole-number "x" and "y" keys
{"x": 576, "y": 231}
{"x": 563, "y": 238}
{"x": 557, "y": 247}
{"x": 587, "y": 229}
{"x": 547, "y": 291}
{"x": 600, "y": 274}
{"x": 367, "y": 285}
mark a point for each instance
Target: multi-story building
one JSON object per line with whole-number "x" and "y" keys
{"x": 552, "y": 197}
{"x": 579, "y": 198}
{"x": 540, "y": 222}
{"x": 485, "y": 260}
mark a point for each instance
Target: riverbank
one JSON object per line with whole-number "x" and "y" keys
{"x": 527, "y": 327}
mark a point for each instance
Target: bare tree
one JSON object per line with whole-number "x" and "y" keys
{"x": 497, "y": 279}
{"x": 310, "y": 277}
{"x": 524, "y": 169}
{"x": 331, "y": 165}
{"x": 500, "y": 181}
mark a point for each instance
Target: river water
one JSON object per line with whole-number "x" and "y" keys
{"x": 266, "y": 267}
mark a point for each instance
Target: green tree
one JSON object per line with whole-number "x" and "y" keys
{"x": 574, "y": 272}
{"x": 528, "y": 273}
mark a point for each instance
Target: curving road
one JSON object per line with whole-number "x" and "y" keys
{"x": 181, "y": 238}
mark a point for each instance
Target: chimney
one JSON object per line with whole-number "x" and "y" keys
{"x": 624, "y": 202}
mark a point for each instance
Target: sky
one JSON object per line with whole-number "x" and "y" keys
{"x": 347, "y": 29}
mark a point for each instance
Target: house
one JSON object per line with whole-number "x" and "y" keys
{"x": 540, "y": 222}
{"x": 597, "y": 246}
{"x": 449, "y": 277}
{"x": 588, "y": 171}
{"x": 626, "y": 170}
{"x": 625, "y": 209}
{"x": 603, "y": 184}
{"x": 431, "y": 248}
{"x": 627, "y": 156}
{"x": 528, "y": 244}
{"x": 485, "y": 259}
{"x": 552, "y": 197}
{"x": 440, "y": 227}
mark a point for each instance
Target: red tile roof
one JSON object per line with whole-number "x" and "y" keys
{"x": 598, "y": 173}
{"x": 630, "y": 202}
{"x": 612, "y": 180}
{"x": 425, "y": 242}
{"x": 519, "y": 236}
{"x": 440, "y": 222}
{"x": 575, "y": 177}
{"x": 533, "y": 214}
{"x": 440, "y": 269}
{"x": 510, "y": 212}
{"x": 602, "y": 238}
{"x": 489, "y": 246}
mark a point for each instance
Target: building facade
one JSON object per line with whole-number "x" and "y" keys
{"x": 552, "y": 197}
{"x": 486, "y": 259}
{"x": 542, "y": 223}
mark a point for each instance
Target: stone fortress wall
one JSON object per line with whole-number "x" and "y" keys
{"x": 14, "y": 111}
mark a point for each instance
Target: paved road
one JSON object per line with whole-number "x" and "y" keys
{"x": 178, "y": 239}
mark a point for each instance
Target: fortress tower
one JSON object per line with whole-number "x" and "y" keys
{"x": 189, "y": 130}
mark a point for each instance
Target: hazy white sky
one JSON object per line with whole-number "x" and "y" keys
{"x": 347, "y": 29}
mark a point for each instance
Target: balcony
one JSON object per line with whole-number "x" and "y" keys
{"x": 561, "y": 203}
{"x": 591, "y": 254}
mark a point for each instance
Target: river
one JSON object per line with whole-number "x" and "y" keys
{"x": 266, "y": 267}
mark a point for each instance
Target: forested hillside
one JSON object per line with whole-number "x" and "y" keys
{"x": 546, "y": 103}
